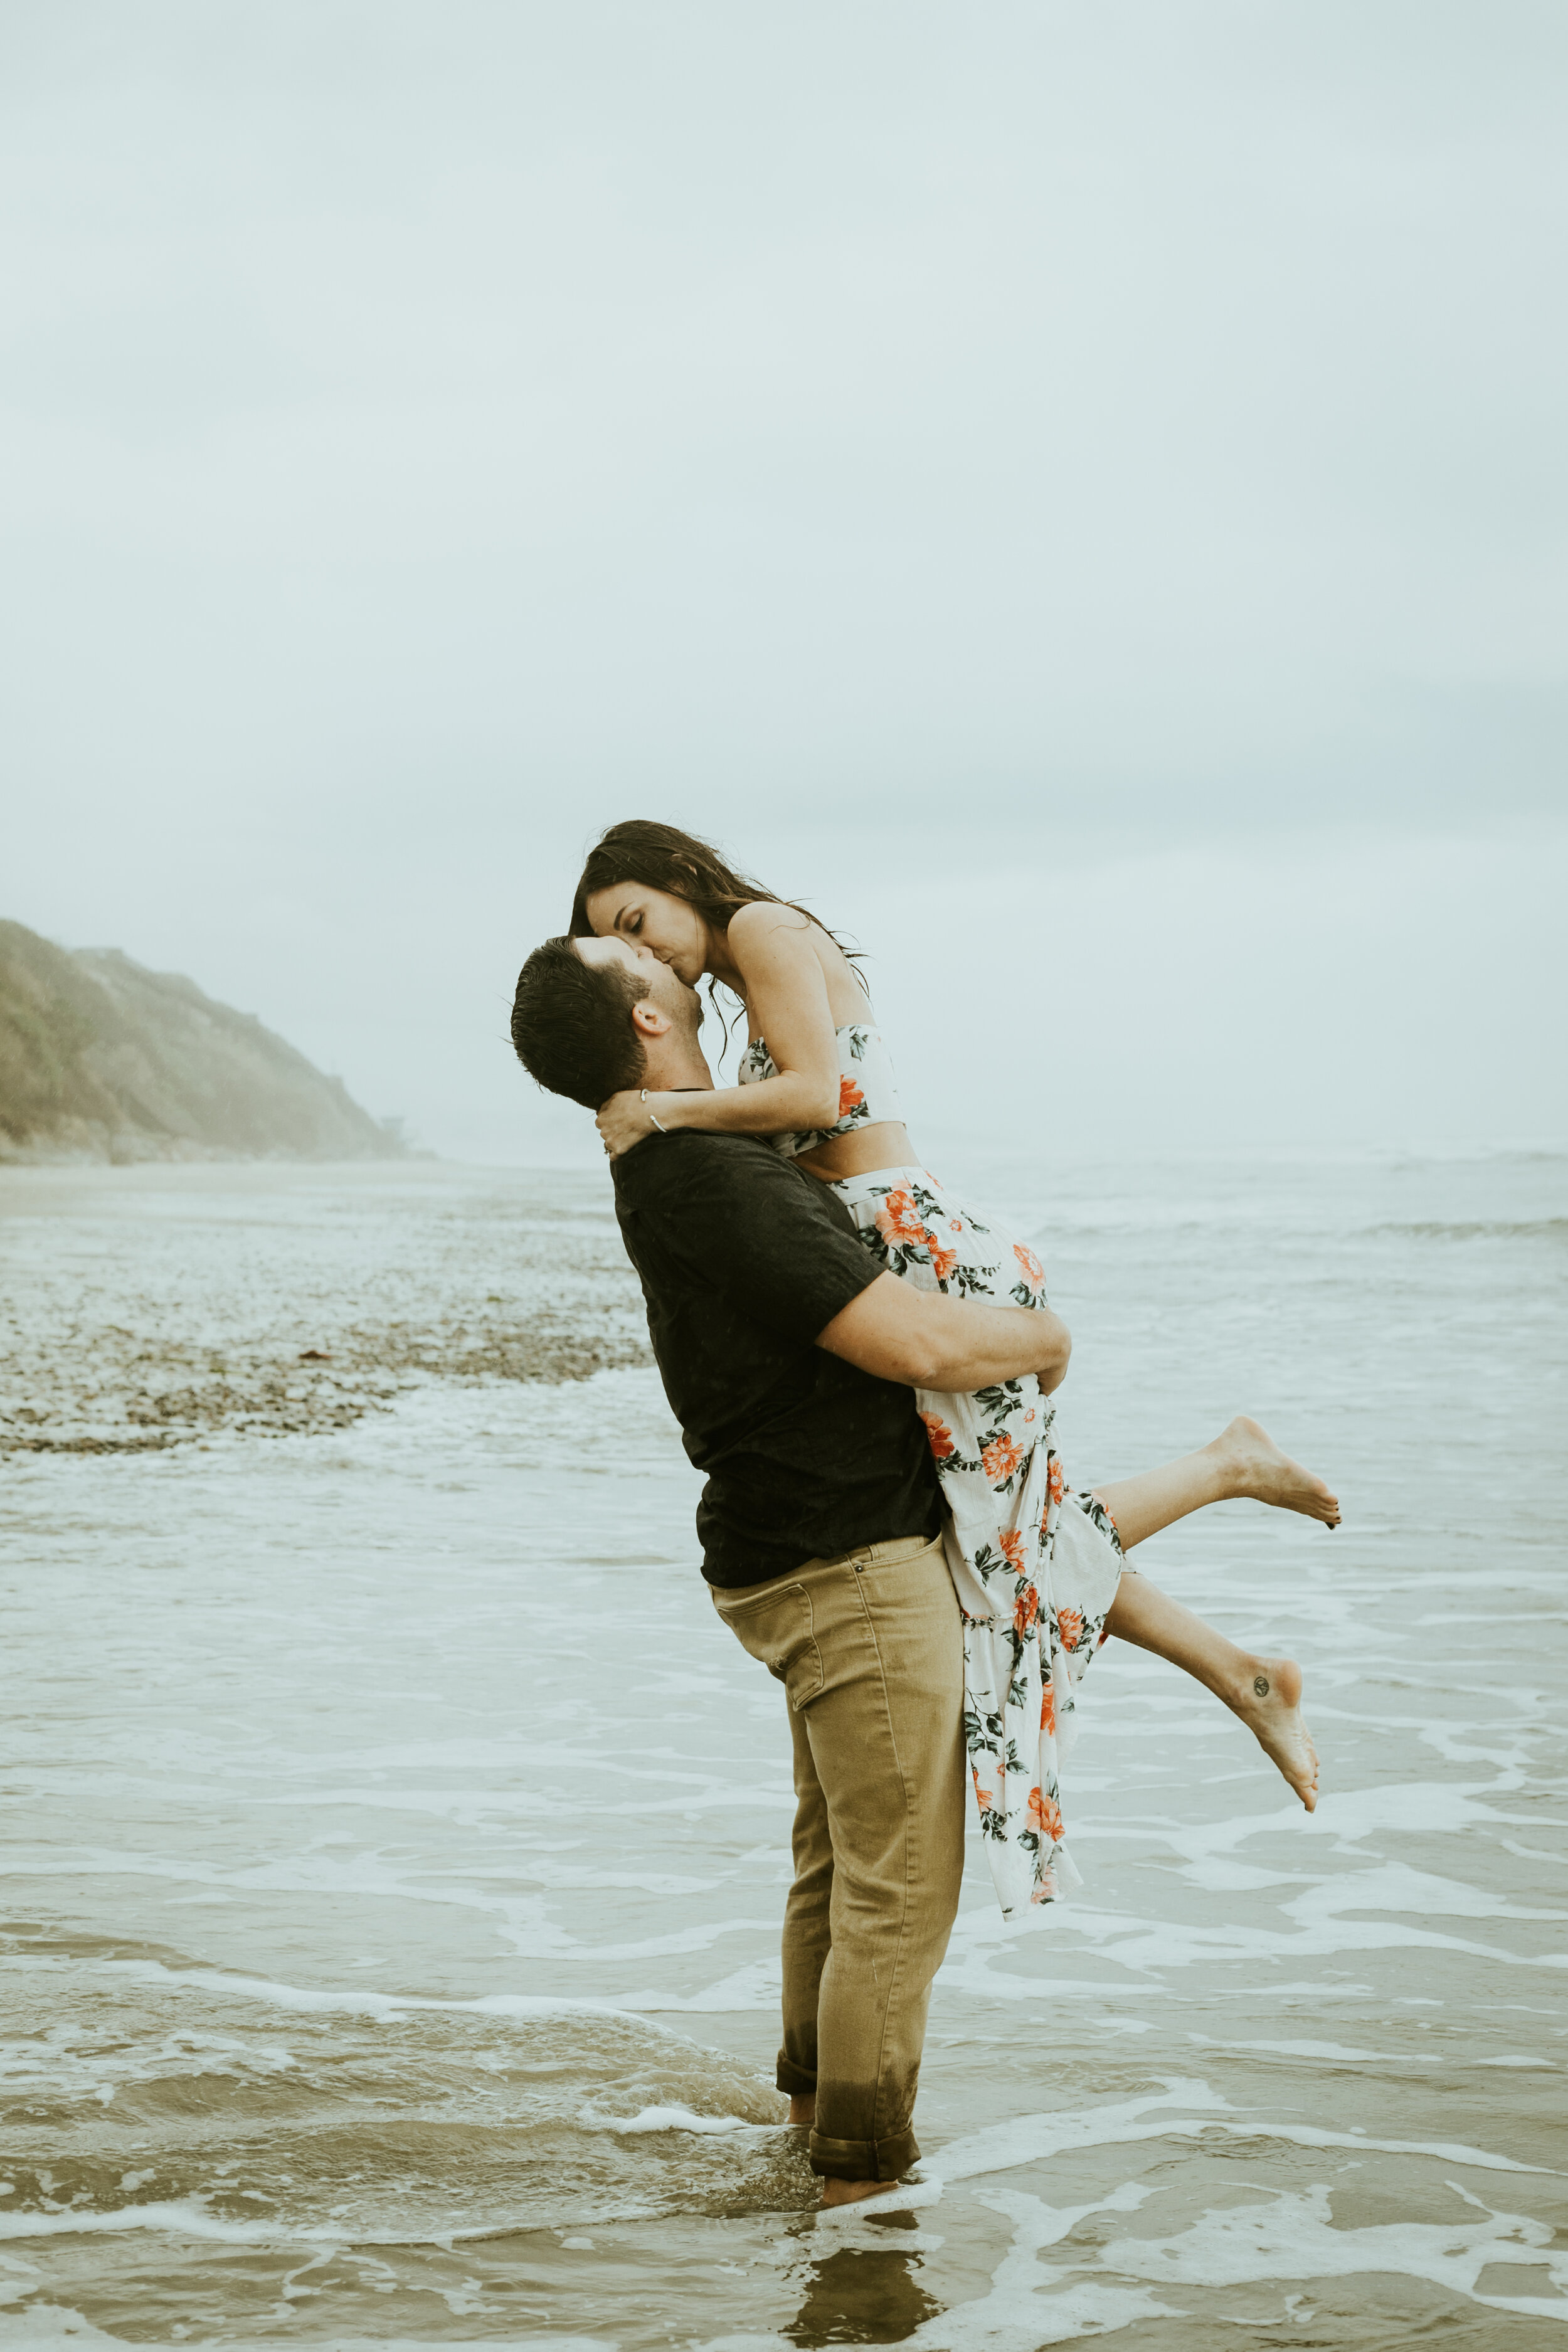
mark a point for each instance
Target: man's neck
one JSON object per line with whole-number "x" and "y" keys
{"x": 672, "y": 1068}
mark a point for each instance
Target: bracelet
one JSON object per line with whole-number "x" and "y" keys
{"x": 655, "y": 1117}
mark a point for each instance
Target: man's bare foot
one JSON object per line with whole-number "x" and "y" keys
{"x": 1253, "y": 1466}
{"x": 1269, "y": 1701}
{"x": 850, "y": 2192}
{"x": 802, "y": 2114}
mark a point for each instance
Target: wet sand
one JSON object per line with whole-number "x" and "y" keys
{"x": 396, "y": 1844}
{"x": 153, "y": 1306}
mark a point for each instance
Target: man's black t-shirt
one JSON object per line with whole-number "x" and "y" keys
{"x": 744, "y": 1260}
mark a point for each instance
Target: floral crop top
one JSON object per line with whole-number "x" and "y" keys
{"x": 867, "y": 1093}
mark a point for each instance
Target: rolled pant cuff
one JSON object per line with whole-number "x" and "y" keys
{"x": 795, "y": 2081}
{"x": 863, "y": 2159}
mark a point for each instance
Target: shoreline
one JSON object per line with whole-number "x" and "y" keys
{"x": 172, "y": 1302}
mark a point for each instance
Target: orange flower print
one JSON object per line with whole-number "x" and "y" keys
{"x": 939, "y": 1437}
{"x": 1007, "y": 1514}
{"x": 1046, "y": 1815}
{"x": 849, "y": 1097}
{"x": 1001, "y": 1458}
{"x": 897, "y": 1219}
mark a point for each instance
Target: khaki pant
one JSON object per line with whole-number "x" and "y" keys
{"x": 869, "y": 1650}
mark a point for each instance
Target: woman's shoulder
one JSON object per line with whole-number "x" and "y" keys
{"x": 766, "y": 922}
{"x": 772, "y": 941}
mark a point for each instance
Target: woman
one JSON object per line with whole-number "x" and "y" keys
{"x": 1037, "y": 1570}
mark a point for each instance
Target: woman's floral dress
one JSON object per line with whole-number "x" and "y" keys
{"x": 1035, "y": 1567}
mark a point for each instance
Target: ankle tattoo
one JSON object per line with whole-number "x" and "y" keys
{"x": 1260, "y": 1685}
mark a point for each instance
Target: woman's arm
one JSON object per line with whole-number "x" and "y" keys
{"x": 786, "y": 995}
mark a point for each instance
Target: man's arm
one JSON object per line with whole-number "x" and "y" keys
{"x": 930, "y": 1342}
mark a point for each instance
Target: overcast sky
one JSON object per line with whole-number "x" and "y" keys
{"x": 1077, "y": 490}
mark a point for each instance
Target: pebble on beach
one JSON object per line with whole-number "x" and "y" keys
{"x": 238, "y": 1325}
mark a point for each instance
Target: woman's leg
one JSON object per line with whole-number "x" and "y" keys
{"x": 1243, "y": 1460}
{"x": 1265, "y": 1693}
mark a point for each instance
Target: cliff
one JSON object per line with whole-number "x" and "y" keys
{"x": 101, "y": 1059}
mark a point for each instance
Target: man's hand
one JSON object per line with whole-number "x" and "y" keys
{"x": 928, "y": 1341}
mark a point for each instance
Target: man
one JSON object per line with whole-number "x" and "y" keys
{"x": 788, "y": 1357}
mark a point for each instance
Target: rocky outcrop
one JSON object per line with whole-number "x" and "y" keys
{"x": 101, "y": 1059}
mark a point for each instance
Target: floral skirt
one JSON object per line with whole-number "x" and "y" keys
{"x": 1036, "y": 1568}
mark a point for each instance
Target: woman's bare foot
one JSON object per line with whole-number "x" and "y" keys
{"x": 802, "y": 2110}
{"x": 1255, "y": 1467}
{"x": 1269, "y": 1701}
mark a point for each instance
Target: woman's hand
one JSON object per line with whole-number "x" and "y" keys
{"x": 624, "y": 1120}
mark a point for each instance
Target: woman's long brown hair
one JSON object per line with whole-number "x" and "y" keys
{"x": 662, "y": 858}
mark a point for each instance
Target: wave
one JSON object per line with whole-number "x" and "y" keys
{"x": 1470, "y": 1229}
{"x": 257, "y": 2111}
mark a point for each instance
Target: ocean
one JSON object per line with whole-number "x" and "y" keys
{"x": 395, "y": 1842}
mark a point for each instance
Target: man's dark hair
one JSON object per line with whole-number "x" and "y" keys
{"x": 571, "y": 1024}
